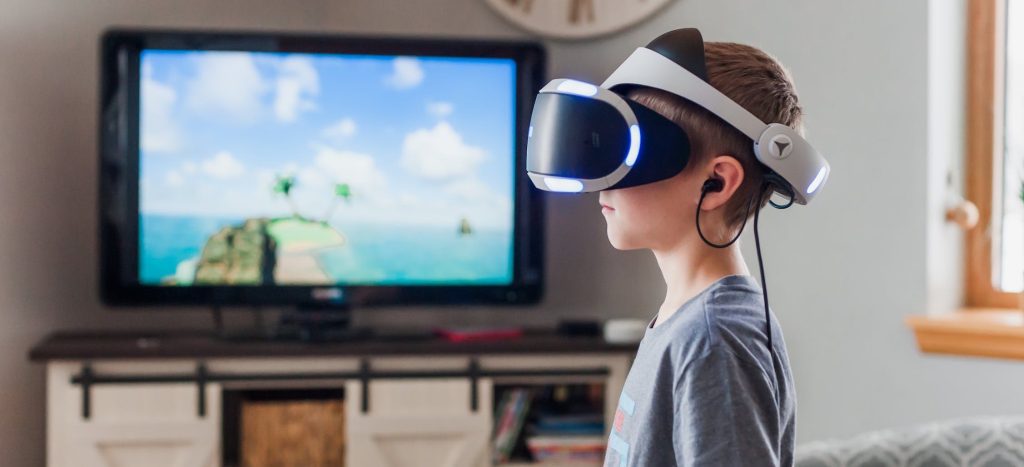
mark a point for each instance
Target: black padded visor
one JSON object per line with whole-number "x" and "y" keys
{"x": 575, "y": 137}
{"x": 585, "y": 138}
{"x": 664, "y": 149}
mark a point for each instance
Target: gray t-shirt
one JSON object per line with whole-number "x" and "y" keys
{"x": 702, "y": 389}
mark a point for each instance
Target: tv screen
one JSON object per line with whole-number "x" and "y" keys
{"x": 258, "y": 168}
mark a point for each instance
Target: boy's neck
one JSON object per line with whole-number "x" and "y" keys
{"x": 691, "y": 266}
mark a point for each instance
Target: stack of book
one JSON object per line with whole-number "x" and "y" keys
{"x": 567, "y": 438}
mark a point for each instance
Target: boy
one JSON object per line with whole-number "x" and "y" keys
{"x": 704, "y": 389}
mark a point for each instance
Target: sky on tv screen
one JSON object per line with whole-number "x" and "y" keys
{"x": 308, "y": 169}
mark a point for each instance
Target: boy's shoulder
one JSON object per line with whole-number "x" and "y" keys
{"x": 727, "y": 314}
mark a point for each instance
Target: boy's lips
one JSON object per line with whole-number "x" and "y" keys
{"x": 606, "y": 208}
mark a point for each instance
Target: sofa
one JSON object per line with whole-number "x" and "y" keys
{"x": 975, "y": 442}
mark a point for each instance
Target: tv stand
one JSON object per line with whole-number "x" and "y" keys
{"x": 118, "y": 397}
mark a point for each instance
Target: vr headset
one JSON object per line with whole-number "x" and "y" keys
{"x": 586, "y": 138}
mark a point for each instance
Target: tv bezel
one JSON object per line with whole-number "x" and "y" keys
{"x": 120, "y": 50}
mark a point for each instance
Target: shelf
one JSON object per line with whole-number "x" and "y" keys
{"x": 997, "y": 333}
{"x": 573, "y": 410}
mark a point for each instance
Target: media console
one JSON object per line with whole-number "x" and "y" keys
{"x": 133, "y": 398}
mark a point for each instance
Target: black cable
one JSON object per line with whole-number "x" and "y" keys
{"x": 782, "y": 206}
{"x": 760, "y": 266}
{"x": 774, "y": 182}
{"x": 768, "y": 185}
{"x": 764, "y": 291}
{"x": 700, "y": 203}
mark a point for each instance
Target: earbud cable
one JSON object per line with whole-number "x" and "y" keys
{"x": 760, "y": 259}
{"x": 700, "y": 203}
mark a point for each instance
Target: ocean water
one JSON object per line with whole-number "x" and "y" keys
{"x": 432, "y": 255}
{"x": 166, "y": 241}
{"x": 373, "y": 254}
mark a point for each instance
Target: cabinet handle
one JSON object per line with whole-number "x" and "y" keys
{"x": 364, "y": 380}
{"x": 474, "y": 375}
{"x": 201, "y": 378}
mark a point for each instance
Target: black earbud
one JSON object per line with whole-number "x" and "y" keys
{"x": 712, "y": 184}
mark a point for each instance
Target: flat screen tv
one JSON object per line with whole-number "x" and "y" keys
{"x": 284, "y": 169}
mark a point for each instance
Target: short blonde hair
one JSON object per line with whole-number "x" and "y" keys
{"x": 756, "y": 81}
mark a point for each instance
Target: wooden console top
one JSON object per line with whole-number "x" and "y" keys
{"x": 163, "y": 345}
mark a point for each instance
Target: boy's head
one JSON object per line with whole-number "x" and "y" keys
{"x": 658, "y": 214}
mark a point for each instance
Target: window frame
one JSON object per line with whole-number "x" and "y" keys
{"x": 986, "y": 22}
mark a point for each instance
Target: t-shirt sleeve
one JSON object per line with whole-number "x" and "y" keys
{"x": 725, "y": 413}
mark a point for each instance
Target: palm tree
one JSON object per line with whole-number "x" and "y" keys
{"x": 284, "y": 185}
{"x": 341, "y": 191}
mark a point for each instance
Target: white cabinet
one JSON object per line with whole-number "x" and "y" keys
{"x": 412, "y": 423}
{"x": 130, "y": 425}
{"x": 409, "y": 421}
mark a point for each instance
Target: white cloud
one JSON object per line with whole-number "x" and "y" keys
{"x": 440, "y": 109}
{"x": 174, "y": 179}
{"x": 160, "y": 133}
{"x": 266, "y": 177}
{"x": 439, "y": 153}
{"x": 314, "y": 188}
{"x": 406, "y": 73}
{"x": 481, "y": 199}
{"x": 470, "y": 189}
{"x": 297, "y": 81}
{"x": 223, "y": 165}
{"x": 358, "y": 170}
{"x": 227, "y": 84}
{"x": 189, "y": 167}
{"x": 340, "y": 130}
{"x": 312, "y": 191}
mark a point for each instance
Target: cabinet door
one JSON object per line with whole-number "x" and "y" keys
{"x": 417, "y": 423}
{"x": 133, "y": 425}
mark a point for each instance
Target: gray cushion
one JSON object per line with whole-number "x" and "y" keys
{"x": 975, "y": 442}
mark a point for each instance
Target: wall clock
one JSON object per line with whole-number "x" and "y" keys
{"x": 575, "y": 19}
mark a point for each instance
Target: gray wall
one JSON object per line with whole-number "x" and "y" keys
{"x": 882, "y": 87}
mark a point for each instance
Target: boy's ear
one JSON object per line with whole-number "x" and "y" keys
{"x": 725, "y": 175}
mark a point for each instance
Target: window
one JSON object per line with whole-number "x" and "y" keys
{"x": 1010, "y": 271}
{"x": 995, "y": 176}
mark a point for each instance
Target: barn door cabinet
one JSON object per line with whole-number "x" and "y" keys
{"x": 160, "y": 400}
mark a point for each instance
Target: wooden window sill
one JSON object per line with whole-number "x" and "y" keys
{"x": 984, "y": 332}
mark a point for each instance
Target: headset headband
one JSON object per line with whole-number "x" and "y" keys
{"x": 777, "y": 146}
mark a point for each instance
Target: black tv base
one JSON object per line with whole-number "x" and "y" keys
{"x": 307, "y": 324}
{"x": 318, "y": 325}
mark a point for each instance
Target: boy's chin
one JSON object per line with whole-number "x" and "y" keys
{"x": 622, "y": 242}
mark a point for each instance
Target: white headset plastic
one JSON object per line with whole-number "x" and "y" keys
{"x": 777, "y": 146}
